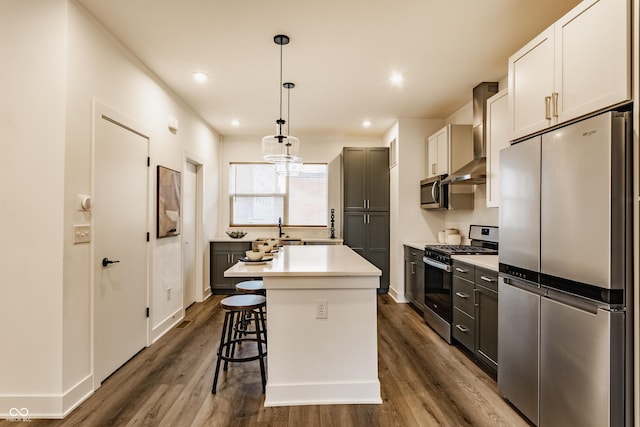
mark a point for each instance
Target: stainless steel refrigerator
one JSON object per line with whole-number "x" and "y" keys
{"x": 564, "y": 315}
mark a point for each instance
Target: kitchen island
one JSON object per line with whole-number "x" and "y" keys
{"x": 322, "y": 325}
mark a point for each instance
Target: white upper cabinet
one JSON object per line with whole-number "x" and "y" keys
{"x": 497, "y": 138}
{"x": 579, "y": 65}
{"x": 438, "y": 153}
{"x": 449, "y": 149}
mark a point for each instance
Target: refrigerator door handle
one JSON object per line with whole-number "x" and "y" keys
{"x": 534, "y": 289}
{"x": 575, "y": 302}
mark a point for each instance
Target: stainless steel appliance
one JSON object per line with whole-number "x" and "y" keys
{"x": 438, "y": 273}
{"x": 564, "y": 328}
{"x": 475, "y": 172}
{"x": 433, "y": 194}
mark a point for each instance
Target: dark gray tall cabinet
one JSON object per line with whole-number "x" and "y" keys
{"x": 365, "y": 225}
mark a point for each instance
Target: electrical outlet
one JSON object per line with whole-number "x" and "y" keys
{"x": 322, "y": 308}
{"x": 81, "y": 234}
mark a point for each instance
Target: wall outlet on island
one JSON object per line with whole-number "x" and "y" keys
{"x": 321, "y": 309}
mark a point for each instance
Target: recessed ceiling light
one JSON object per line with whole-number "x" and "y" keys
{"x": 396, "y": 78}
{"x": 235, "y": 123}
{"x": 366, "y": 123}
{"x": 200, "y": 77}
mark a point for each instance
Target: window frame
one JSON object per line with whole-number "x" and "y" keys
{"x": 285, "y": 197}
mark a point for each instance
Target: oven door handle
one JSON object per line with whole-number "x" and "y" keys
{"x": 436, "y": 264}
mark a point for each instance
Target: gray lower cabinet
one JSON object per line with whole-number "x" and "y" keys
{"x": 222, "y": 256}
{"x": 414, "y": 277}
{"x": 475, "y": 311}
{"x": 367, "y": 233}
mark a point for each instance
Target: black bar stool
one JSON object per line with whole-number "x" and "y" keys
{"x": 238, "y": 306}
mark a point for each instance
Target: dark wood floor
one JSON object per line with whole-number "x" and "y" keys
{"x": 424, "y": 382}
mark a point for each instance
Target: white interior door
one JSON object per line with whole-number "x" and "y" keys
{"x": 189, "y": 233}
{"x": 120, "y": 226}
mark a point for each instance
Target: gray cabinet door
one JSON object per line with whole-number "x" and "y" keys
{"x": 419, "y": 285}
{"x": 487, "y": 326}
{"x": 378, "y": 179}
{"x": 366, "y": 178}
{"x": 355, "y": 231}
{"x": 354, "y": 171}
{"x": 222, "y": 256}
{"x": 409, "y": 275}
{"x": 377, "y": 237}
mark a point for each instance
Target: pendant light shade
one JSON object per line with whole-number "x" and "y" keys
{"x": 291, "y": 168}
{"x": 281, "y": 147}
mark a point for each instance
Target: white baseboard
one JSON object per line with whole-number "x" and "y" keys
{"x": 397, "y": 296}
{"x": 26, "y": 408}
{"x": 166, "y": 325}
{"x": 366, "y": 392}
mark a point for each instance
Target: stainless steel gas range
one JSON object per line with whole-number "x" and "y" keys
{"x": 438, "y": 275}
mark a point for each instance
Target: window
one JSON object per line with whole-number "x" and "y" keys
{"x": 259, "y": 196}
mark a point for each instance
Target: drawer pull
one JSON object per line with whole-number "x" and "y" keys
{"x": 487, "y": 279}
{"x": 461, "y": 270}
{"x": 462, "y": 295}
{"x": 462, "y": 328}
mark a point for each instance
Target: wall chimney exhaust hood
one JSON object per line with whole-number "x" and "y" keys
{"x": 475, "y": 172}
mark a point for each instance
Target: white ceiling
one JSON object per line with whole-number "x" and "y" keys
{"x": 340, "y": 55}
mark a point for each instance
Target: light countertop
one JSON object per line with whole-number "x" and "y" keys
{"x": 309, "y": 260}
{"x": 484, "y": 261}
{"x": 249, "y": 239}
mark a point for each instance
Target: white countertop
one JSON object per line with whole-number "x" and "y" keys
{"x": 311, "y": 260}
{"x": 248, "y": 239}
{"x": 484, "y": 261}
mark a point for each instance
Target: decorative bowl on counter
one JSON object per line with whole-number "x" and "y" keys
{"x": 254, "y": 255}
{"x": 236, "y": 234}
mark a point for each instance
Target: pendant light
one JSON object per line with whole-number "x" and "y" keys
{"x": 281, "y": 148}
{"x": 293, "y": 167}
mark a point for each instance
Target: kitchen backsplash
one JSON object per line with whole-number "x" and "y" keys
{"x": 480, "y": 215}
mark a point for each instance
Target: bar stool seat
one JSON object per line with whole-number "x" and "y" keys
{"x": 251, "y": 287}
{"x": 237, "y": 308}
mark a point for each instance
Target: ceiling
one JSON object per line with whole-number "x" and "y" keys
{"x": 340, "y": 57}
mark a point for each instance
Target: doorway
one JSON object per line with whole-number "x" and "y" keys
{"x": 120, "y": 218}
{"x": 189, "y": 226}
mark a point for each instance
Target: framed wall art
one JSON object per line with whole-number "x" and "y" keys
{"x": 168, "y": 220}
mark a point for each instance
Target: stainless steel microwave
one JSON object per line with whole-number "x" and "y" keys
{"x": 434, "y": 194}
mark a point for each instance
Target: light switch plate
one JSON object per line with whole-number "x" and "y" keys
{"x": 81, "y": 234}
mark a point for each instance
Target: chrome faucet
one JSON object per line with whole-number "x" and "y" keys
{"x": 280, "y": 233}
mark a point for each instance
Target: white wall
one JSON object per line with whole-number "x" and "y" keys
{"x": 32, "y": 113}
{"x": 313, "y": 149}
{"x": 60, "y": 61}
{"x": 409, "y": 223}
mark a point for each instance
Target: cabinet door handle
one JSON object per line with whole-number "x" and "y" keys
{"x": 433, "y": 168}
{"x": 368, "y": 219}
{"x": 547, "y": 107}
{"x": 461, "y": 270}
{"x": 364, "y": 204}
{"x": 487, "y": 279}
{"x": 413, "y": 268}
{"x": 462, "y": 295}
{"x": 475, "y": 297}
{"x": 368, "y": 203}
{"x": 462, "y": 328}
{"x": 554, "y": 101}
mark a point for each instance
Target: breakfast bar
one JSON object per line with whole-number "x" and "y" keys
{"x": 322, "y": 325}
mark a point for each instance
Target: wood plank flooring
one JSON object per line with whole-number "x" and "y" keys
{"x": 424, "y": 382}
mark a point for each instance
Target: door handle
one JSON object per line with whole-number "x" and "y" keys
{"x": 554, "y": 103}
{"x": 462, "y": 295}
{"x": 107, "y": 261}
{"x": 487, "y": 279}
